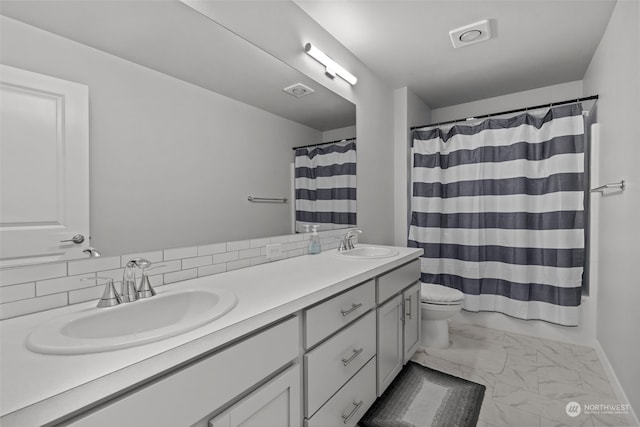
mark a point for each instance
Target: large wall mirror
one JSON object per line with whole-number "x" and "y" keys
{"x": 186, "y": 120}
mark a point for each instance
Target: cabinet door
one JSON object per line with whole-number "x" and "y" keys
{"x": 412, "y": 315}
{"x": 276, "y": 404}
{"x": 389, "y": 342}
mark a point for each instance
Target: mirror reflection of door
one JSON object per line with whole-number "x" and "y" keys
{"x": 44, "y": 168}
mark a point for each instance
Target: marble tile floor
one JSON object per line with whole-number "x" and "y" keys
{"x": 529, "y": 380}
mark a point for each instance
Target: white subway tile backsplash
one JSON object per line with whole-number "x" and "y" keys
{"x": 15, "y": 275}
{"x": 302, "y": 245}
{"x": 40, "y": 287}
{"x": 86, "y": 294}
{"x": 239, "y": 245}
{"x": 294, "y": 253}
{"x": 196, "y": 262}
{"x": 32, "y": 305}
{"x": 256, "y": 243}
{"x": 17, "y": 292}
{"x": 235, "y": 265}
{"x": 215, "y": 248}
{"x": 297, "y": 237}
{"x": 212, "y": 269}
{"x": 92, "y": 265}
{"x": 288, "y": 247}
{"x": 177, "y": 276}
{"x": 279, "y": 239}
{"x": 225, "y": 257}
{"x": 167, "y": 267}
{"x": 157, "y": 280}
{"x": 259, "y": 260}
{"x": 65, "y": 284}
{"x": 178, "y": 253}
{"x": 154, "y": 256}
{"x": 249, "y": 253}
{"x": 115, "y": 274}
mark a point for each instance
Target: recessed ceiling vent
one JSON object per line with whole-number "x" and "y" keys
{"x": 298, "y": 90}
{"x": 469, "y": 34}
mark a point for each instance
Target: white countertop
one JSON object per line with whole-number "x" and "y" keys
{"x": 36, "y": 389}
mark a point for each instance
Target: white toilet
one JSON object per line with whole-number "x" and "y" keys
{"x": 439, "y": 303}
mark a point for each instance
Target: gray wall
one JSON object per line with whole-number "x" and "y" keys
{"x": 340, "y": 133}
{"x": 410, "y": 111}
{"x": 543, "y": 95}
{"x": 172, "y": 164}
{"x": 613, "y": 74}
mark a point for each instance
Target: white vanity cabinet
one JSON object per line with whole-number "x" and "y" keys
{"x": 339, "y": 372}
{"x": 398, "y": 321}
{"x": 314, "y": 361}
{"x": 188, "y": 395}
{"x": 412, "y": 321}
{"x": 275, "y": 404}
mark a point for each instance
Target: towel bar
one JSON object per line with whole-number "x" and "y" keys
{"x": 602, "y": 188}
{"x": 267, "y": 199}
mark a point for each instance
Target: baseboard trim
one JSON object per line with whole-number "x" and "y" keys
{"x": 615, "y": 383}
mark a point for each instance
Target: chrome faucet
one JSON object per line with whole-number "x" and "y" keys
{"x": 347, "y": 242}
{"x": 128, "y": 291}
{"x": 110, "y": 297}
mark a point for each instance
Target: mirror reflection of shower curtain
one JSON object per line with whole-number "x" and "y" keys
{"x": 498, "y": 207}
{"x": 325, "y": 185}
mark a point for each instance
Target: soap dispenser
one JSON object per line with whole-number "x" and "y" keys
{"x": 314, "y": 245}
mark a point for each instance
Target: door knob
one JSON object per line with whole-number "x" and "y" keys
{"x": 77, "y": 239}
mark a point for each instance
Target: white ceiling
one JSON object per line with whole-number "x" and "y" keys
{"x": 536, "y": 43}
{"x": 174, "y": 39}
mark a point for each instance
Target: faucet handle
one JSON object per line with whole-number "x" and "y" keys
{"x": 110, "y": 296}
{"x": 145, "y": 290}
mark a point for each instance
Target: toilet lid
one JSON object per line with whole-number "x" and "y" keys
{"x": 430, "y": 292}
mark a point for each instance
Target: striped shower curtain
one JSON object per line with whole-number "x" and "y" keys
{"x": 325, "y": 185}
{"x": 498, "y": 208}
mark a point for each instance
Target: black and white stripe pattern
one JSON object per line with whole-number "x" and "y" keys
{"x": 498, "y": 208}
{"x": 325, "y": 185}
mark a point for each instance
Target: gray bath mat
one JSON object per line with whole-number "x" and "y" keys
{"x": 423, "y": 397}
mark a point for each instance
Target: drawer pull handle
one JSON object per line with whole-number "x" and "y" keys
{"x": 356, "y": 353}
{"x": 408, "y": 313}
{"x": 357, "y": 405}
{"x": 351, "y": 310}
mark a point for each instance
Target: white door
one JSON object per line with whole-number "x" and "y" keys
{"x": 44, "y": 167}
{"x": 389, "y": 342}
{"x": 411, "y": 297}
{"x": 276, "y": 404}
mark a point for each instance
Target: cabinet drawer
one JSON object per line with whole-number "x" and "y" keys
{"x": 395, "y": 281}
{"x": 350, "y": 403}
{"x": 331, "y": 315}
{"x": 192, "y": 393}
{"x": 331, "y": 364}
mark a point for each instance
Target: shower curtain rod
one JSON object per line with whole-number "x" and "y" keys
{"x": 551, "y": 104}
{"x": 323, "y": 143}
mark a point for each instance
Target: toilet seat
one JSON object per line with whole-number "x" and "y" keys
{"x": 440, "y": 295}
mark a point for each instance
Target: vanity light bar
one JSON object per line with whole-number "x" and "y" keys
{"x": 331, "y": 67}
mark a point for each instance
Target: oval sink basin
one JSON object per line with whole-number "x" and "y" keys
{"x": 131, "y": 324}
{"x": 369, "y": 252}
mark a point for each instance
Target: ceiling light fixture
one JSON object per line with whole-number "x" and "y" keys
{"x": 331, "y": 67}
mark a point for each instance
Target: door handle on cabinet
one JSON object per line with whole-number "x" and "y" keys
{"x": 357, "y": 405}
{"x": 356, "y": 353}
{"x": 350, "y": 310}
{"x": 408, "y": 313}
